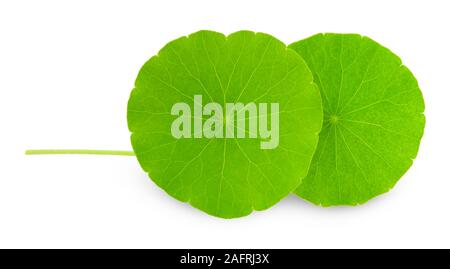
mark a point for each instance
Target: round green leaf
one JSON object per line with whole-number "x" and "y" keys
{"x": 225, "y": 177}
{"x": 373, "y": 119}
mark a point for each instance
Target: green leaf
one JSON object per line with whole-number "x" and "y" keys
{"x": 373, "y": 119}
{"x": 225, "y": 177}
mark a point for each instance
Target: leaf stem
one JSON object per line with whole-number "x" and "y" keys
{"x": 79, "y": 151}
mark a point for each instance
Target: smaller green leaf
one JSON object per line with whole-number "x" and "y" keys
{"x": 373, "y": 119}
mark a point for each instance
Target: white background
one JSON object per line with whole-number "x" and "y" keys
{"x": 66, "y": 71}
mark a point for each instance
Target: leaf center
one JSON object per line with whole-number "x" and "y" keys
{"x": 334, "y": 119}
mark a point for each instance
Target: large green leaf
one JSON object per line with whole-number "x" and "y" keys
{"x": 233, "y": 176}
{"x": 373, "y": 119}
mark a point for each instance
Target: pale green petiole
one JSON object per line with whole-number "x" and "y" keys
{"x": 79, "y": 151}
